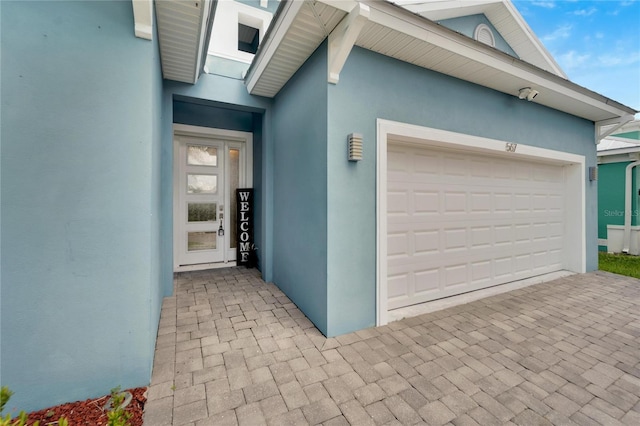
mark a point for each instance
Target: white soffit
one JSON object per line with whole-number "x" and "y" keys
{"x": 301, "y": 26}
{"x": 181, "y": 34}
{"x": 502, "y": 15}
{"x": 296, "y": 32}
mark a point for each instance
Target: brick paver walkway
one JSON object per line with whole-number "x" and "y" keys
{"x": 234, "y": 350}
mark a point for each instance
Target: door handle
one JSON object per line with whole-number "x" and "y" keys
{"x": 221, "y": 229}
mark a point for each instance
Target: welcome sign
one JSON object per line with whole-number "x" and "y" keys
{"x": 244, "y": 250}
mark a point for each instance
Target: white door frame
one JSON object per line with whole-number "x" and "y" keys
{"x": 233, "y": 138}
{"x": 574, "y": 256}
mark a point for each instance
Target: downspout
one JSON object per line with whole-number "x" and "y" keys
{"x": 628, "y": 190}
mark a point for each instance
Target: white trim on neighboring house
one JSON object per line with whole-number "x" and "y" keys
{"x": 575, "y": 213}
{"x": 604, "y": 128}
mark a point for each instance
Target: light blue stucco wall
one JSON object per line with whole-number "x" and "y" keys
{"x": 300, "y": 189}
{"x": 158, "y": 263}
{"x": 80, "y": 195}
{"x": 374, "y": 86}
{"x": 467, "y": 25}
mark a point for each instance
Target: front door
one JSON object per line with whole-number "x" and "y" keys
{"x": 207, "y": 171}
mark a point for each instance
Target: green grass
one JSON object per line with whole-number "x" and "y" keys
{"x": 622, "y": 264}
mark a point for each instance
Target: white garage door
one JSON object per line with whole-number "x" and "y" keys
{"x": 460, "y": 221}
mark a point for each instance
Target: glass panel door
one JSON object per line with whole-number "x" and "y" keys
{"x": 209, "y": 165}
{"x": 201, "y": 195}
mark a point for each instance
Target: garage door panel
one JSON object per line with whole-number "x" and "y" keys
{"x": 480, "y": 202}
{"x": 425, "y": 202}
{"x": 481, "y": 237}
{"x": 426, "y": 164}
{"x": 414, "y": 247}
{"x": 454, "y": 240}
{"x": 522, "y": 202}
{"x": 481, "y": 271}
{"x": 502, "y": 202}
{"x": 398, "y": 202}
{"x": 398, "y": 244}
{"x": 455, "y": 202}
{"x": 426, "y": 281}
{"x": 523, "y": 233}
{"x": 503, "y": 266}
{"x": 426, "y": 242}
{"x": 398, "y": 285}
{"x": 455, "y": 275}
{"x": 459, "y": 222}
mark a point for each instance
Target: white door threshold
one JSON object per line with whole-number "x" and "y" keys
{"x": 461, "y": 299}
{"x": 204, "y": 266}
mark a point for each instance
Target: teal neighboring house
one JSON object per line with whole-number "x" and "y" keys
{"x": 618, "y": 191}
{"x": 397, "y": 155}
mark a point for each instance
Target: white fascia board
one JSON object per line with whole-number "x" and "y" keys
{"x": 466, "y": 7}
{"x": 343, "y": 5}
{"x": 143, "y": 18}
{"x": 202, "y": 42}
{"x": 281, "y": 26}
{"x": 618, "y": 151}
{"x": 422, "y": 6}
{"x": 387, "y": 15}
{"x": 625, "y": 140}
{"x": 534, "y": 39}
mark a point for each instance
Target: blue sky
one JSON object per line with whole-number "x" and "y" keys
{"x": 597, "y": 43}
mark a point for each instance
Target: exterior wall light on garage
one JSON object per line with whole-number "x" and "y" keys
{"x": 354, "y": 146}
{"x": 593, "y": 173}
{"x": 527, "y": 93}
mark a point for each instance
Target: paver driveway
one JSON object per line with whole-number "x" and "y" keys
{"x": 234, "y": 350}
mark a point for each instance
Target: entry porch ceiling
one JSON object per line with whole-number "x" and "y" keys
{"x": 301, "y": 26}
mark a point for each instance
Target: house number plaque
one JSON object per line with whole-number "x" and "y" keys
{"x": 245, "y": 247}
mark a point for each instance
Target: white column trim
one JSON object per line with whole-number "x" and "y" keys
{"x": 342, "y": 39}
{"x": 143, "y": 18}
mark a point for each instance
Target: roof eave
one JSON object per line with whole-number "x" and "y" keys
{"x": 183, "y": 35}
{"x": 401, "y": 20}
{"x": 282, "y": 20}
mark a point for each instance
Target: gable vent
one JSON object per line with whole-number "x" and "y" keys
{"x": 484, "y": 35}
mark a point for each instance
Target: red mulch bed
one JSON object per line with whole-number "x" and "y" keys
{"x": 89, "y": 412}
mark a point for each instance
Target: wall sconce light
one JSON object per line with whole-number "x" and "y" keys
{"x": 593, "y": 173}
{"x": 527, "y": 93}
{"x": 354, "y": 145}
